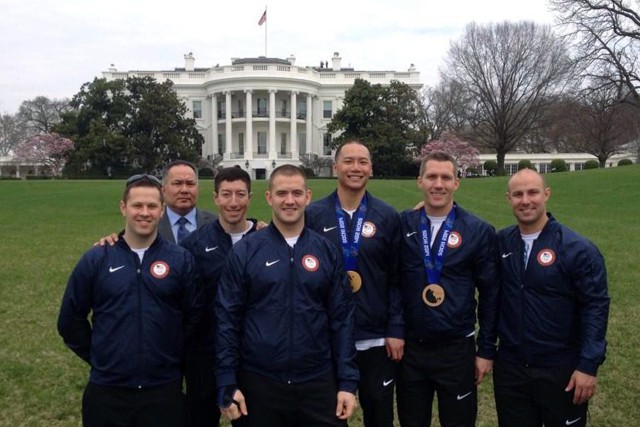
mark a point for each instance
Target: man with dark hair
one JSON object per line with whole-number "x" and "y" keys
{"x": 554, "y": 306}
{"x": 446, "y": 255}
{"x": 180, "y": 188}
{"x": 285, "y": 350}
{"x": 144, "y": 305}
{"x": 210, "y": 246}
{"x": 366, "y": 231}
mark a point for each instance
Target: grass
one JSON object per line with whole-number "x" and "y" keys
{"x": 47, "y": 225}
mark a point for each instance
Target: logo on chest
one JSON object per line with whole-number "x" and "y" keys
{"x": 159, "y": 269}
{"x": 546, "y": 257}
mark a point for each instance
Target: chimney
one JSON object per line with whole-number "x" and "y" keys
{"x": 292, "y": 59}
{"x": 336, "y": 61}
{"x": 189, "y": 61}
{"x": 412, "y": 68}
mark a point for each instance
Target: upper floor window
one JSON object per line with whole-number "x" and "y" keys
{"x": 197, "y": 109}
{"x": 327, "y": 109}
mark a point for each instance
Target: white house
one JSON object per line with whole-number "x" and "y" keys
{"x": 258, "y": 113}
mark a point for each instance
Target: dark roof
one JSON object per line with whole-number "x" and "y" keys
{"x": 260, "y": 60}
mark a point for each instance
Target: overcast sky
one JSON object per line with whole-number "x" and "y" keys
{"x": 52, "y": 47}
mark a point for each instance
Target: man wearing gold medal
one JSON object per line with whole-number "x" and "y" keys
{"x": 446, "y": 255}
{"x": 367, "y": 231}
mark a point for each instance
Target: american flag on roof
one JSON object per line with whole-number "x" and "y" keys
{"x": 263, "y": 18}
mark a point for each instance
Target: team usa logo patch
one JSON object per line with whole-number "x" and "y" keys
{"x": 546, "y": 257}
{"x": 368, "y": 229}
{"x": 310, "y": 263}
{"x": 454, "y": 240}
{"x": 159, "y": 269}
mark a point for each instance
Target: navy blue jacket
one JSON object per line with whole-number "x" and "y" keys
{"x": 470, "y": 264}
{"x": 210, "y": 245}
{"x": 555, "y": 312}
{"x": 285, "y": 313}
{"x": 141, "y": 313}
{"x": 378, "y": 302}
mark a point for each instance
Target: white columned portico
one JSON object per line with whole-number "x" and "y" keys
{"x": 293, "y": 130}
{"x": 273, "y": 153}
{"x": 308, "y": 123}
{"x": 214, "y": 124}
{"x": 227, "y": 120}
{"x": 248, "y": 137}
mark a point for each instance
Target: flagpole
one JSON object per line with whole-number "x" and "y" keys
{"x": 266, "y": 23}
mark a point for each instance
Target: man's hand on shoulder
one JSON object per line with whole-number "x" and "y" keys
{"x": 346, "y": 405}
{"x": 110, "y": 240}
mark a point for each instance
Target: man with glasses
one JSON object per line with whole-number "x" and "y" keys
{"x": 142, "y": 298}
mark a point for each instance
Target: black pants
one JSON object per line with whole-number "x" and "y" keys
{"x": 202, "y": 410}
{"x": 445, "y": 368}
{"x": 272, "y": 403}
{"x": 377, "y": 383}
{"x": 161, "y": 406}
{"x": 531, "y": 397}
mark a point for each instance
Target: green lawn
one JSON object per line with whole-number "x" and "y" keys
{"x": 47, "y": 225}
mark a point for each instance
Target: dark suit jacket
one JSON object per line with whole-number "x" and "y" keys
{"x": 202, "y": 217}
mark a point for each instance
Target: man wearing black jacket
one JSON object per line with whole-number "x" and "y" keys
{"x": 142, "y": 298}
{"x": 553, "y": 314}
{"x": 285, "y": 351}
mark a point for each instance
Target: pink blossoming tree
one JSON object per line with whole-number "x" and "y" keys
{"x": 465, "y": 154}
{"x": 48, "y": 149}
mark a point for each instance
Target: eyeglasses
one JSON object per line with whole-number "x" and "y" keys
{"x": 143, "y": 177}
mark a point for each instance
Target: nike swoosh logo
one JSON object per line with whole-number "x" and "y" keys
{"x": 464, "y": 395}
{"x": 208, "y": 249}
{"x": 270, "y": 263}
{"x": 325, "y": 229}
{"x": 506, "y": 255}
{"x": 411, "y": 234}
{"x": 113, "y": 270}
{"x": 386, "y": 383}
{"x": 572, "y": 421}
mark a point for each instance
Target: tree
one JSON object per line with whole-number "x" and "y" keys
{"x": 41, "y": 114}
{"x": 11, "y": 133}
{"x": 446, "y": 107}
{"x": 558, "y": 165}
{"x": 490, "y": 166}
{"x": 606, "y": 36}
{"x": 525, "y": 164}
{"x": 122, "y": 125}
{"x": 390, "y": 120}
{"x": 599, "y": 124}
{"x": 465, "y": 154}
{"x": 314, "y": 163}
{"x": 511, "y": 71}
{"x": 49, "y": 150}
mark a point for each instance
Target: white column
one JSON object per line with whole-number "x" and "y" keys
{"x": 214, "y": 123}
{"x": 273, "y": 153}
{"x": 227, "y": 132}
{"x": 308, "y": 124}
{"x": 293, "y": 139}
{"x": 248, "y": 137}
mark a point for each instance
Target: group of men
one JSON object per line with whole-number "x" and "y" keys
{"x": 342, "y": 296}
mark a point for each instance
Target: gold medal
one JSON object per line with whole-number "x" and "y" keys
{"x": 433, "y": 295}
{"x": 354, "y": 280}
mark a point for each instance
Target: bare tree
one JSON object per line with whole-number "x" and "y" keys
{"x": 40, "y": 114}
{"x": 446, "y": 107}
{"x": 606, "y": 37}
{"x": 601, "y": 125}
{"x": 511, "y": 71}
{"x": 11, "y": 133}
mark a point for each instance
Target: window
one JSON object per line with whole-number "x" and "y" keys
{"x": 240, "y": 108}
{"x": 221, "y": 109}
{"x": 262, "y": 107}
{"x": 326, "y": 144}
{"x": 197, "y": 109}
{"x": 302, "y": 109}
{"x": 544, "y": 167}
{"x": 283, "y": 143}
{"x": 510, "y": 168}
{"x": 241, "y": 142}
{"x": 262, "y": 143}
{"x": 327, "y": 109}
{"x": 283, "y": 108}
{"x": 220, "y": 143}
{"x": 578, "y": 166}
{"x": 302, "y": 143}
